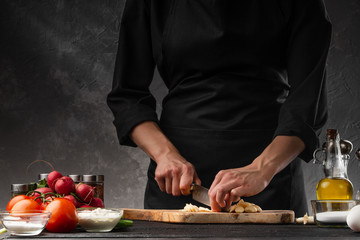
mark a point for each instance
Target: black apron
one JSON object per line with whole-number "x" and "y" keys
{"x": 213, "y": 150}
{"x": 223, "y": 63}
{"x": 229, "y": 67}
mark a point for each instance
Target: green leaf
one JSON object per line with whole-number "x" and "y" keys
{"x": 42, "y": 183}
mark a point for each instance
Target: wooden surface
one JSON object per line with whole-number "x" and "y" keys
{"x": 178, "y": 216}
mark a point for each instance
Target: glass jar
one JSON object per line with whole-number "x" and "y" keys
{"x": 96, "y": 181}
{"x": 22, "y": 188}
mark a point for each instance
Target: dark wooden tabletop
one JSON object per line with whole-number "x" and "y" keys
{"x": 156, "y": 230}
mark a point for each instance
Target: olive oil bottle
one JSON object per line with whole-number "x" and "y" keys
{"x": 334, "y": 188}
{"x": 336, "y": 184}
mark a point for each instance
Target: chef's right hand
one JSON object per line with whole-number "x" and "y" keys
{"x": 175, "y": 175}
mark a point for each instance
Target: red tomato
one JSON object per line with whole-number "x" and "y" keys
{"x": 63, "y": 215}
{"x": 26, "y": 204}
{"x": 14, "y": 200}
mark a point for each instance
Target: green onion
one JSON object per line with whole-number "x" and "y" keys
{"x": 124, "y": 223}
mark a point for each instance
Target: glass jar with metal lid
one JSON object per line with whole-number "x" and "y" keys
{"x": 22, "y": 188}
{"x": 96, "y": 181}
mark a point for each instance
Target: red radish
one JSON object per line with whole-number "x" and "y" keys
{"x": 85, "y": 206}
{"x": 41, "y": 190}
{"x": 64, "y": 185}
{"x": 73, "y": 200}
{"x": 97, "y": 202}
{"x": 52, "y": 177}
{"x": 85, "y": 192}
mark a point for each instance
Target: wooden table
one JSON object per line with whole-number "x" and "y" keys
{"x": 156, "y": 230}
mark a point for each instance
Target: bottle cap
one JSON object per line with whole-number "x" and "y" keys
{"x": 331, "y": 132}
{"x": 89, "y": 178}
{"x": 75, "y": 177}
{"x": 93, "y": 178}
{"x": 22, "y": 187}
{"x": 43, "y": 176}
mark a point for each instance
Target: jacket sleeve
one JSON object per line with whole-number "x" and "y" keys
{"x": 130, "y": 99}
{"x": 305, "y": 110}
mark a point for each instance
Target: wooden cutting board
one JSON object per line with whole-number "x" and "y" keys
{"x": 178, "y": 216}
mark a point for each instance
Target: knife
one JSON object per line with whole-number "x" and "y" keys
{"x": 200, "y": 194}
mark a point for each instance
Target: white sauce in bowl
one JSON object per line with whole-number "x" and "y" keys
{"x": 99, "y": 220}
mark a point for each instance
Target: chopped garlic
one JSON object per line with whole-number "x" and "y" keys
{"x": 306, "y": 219}
{"x": 192, "y": 208}
{"x": 246, "y": 207}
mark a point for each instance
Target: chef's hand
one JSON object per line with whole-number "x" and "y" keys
{"x": 232, "y": 184}
{"x": 175, "y": 175}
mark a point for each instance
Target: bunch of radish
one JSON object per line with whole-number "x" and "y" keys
{"x": 81, "y": 195}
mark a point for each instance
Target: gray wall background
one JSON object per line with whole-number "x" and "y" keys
{"x": 56, "y": 66}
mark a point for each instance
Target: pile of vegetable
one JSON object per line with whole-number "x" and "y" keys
{"x": 57, "y": 185}
{"x": 61, "y": 196}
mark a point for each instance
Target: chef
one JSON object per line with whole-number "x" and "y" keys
{"x": 246, "y": 97}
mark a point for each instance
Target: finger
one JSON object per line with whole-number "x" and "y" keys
{"x": 226, "y": 187}
{"x": 161, "y": 183}
{"x": 176, "y": 185}
{"x": 213, "y": 196}
{"x": 197, "y": 179}
{"x": 220, "y": 198}
{"x": 215, "y": 206}
{"x": 168, "y": 184}
{"x": 185, "y": 183}
{"x": 234, "y": 198}
{"x": 228, "y": 202}
{"x": 237, "y": 193}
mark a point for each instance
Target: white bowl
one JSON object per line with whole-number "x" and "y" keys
{"x": 25, "y": 223}
{"x": 99, "y": 219}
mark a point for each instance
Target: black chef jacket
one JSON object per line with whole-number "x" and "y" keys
{"x": 238, "y": 74}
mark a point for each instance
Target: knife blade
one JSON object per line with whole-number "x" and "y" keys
{"x": 200, "y": 194}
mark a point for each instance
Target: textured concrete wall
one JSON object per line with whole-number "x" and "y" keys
{"x": 56, "y": 66}
{"x": 343, "y": 86}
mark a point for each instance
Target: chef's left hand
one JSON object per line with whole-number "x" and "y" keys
{"x": 232, "y": 184}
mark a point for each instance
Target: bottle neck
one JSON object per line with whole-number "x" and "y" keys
{"x": 335, "y": 165}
